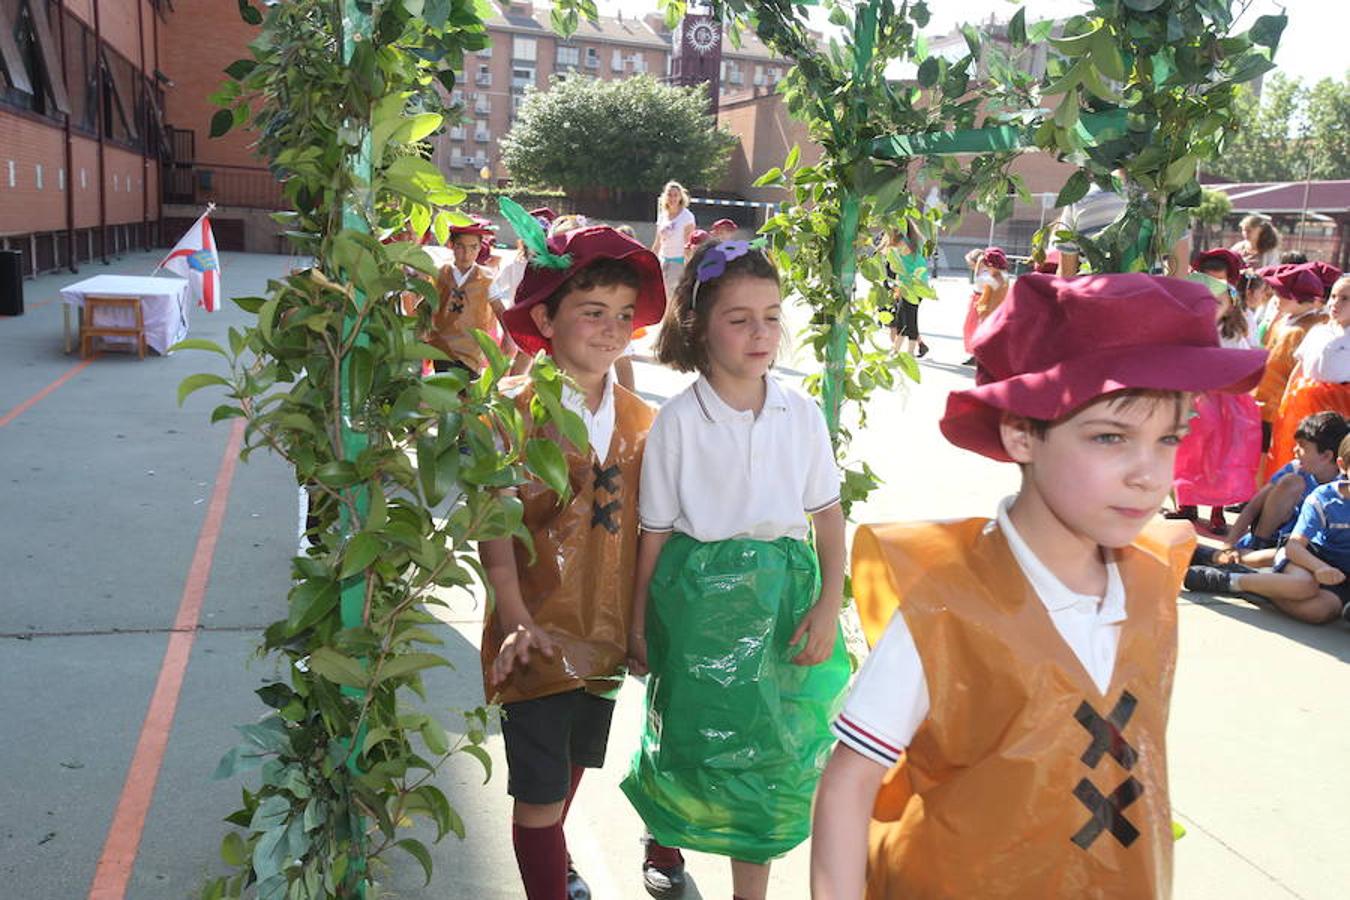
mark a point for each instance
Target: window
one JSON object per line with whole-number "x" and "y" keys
{"x": 592, "y": 58}
{"x": 569, "y": 56}
{"x": 29, "y": 59}
{"x": 484, "y": 78}
{"x": 616, "y": 61}
{"x": 121, "y": 98}
{"x": 523, "y": 49}
{"x": 81, "y": 76}
{"x": 521, "y": 78}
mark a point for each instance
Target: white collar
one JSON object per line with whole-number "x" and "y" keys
{"x": 576, "y": 400}
{"x": 1053, "y": 593}
{"x": 715, "y": 409}
{"x": 461, "y": 278}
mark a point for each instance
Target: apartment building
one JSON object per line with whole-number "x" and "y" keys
{"x": 525, "y": 53}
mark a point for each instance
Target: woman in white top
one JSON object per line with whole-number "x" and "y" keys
{"x": 1260, "y": 242}
{"x": 674, "y": 225}
{"x": 734, "y": 611}
{"x": 1324, "y": 354}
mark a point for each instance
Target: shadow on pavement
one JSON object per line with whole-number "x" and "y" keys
{"x": 1332, "y": 639}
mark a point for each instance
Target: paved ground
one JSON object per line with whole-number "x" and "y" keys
{"x": 104, "y": 498}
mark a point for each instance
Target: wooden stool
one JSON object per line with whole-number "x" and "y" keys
{"x": 91, "y": 331}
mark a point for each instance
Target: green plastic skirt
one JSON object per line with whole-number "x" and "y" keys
{"x": 736, "y": 734}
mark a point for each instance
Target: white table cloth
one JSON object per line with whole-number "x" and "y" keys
{"x": 164, "y": 304}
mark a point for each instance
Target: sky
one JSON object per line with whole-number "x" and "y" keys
{"x": 1313, "y": 47}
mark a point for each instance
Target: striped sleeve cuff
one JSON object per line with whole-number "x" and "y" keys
{"x": 865, "y": 741}
{"x": 811, "y": 511}
{"x": 656, "y": 529}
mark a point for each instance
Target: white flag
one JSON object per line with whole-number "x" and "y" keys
{"x": 195, "y": 258}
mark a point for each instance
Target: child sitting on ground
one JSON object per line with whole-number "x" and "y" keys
{"x": 1012, "y": 657}
{"x": 1318, "y": 550}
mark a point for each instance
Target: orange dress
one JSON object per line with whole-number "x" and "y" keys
{"x": 1282, "y": 342}
{"x": 461, "y": 309}
{"x": 1023, "y": 781}
{"x": 577, "y": 581}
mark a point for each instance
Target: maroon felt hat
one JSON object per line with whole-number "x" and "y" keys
{"x": 479, "y": 226}
{"x": 696, "y": 237}
{"x": 994, "y": 258}
{"x": 1056, "y": 344}
{"x": 544, "y": 215}
{"x": 585, "y": 246}
{"x": 1232, "y": 263}
{"x": 724, "y": 223}
{"x": 1295, "y": 281}
{"x": 1325, "y": 271}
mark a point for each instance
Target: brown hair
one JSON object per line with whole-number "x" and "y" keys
{"x": 683, "y": 341}
{"x": 1121, "y": 401}
{"x": 1233, "y": 321}
{"x": 1268, "y": 238}
{"x": 601, "y": 273}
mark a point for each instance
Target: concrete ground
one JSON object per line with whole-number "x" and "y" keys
{"x": 104, "y": 497}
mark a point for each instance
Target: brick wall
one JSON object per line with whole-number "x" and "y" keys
{"x": 198, "y": 40}
{"x": 24, "y": 146}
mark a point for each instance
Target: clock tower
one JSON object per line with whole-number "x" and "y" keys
{"x": 696, "y": 54}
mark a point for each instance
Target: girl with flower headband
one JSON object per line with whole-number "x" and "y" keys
{"x": 735, "y": 612}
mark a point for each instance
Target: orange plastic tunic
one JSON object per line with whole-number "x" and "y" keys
{"x": 579, "y": 587}
{"x": 1285, "y": 337}
{"x": 1024, "y": 781}
{"x": 462, "y": 309}
{"x": 1301, "y": 399}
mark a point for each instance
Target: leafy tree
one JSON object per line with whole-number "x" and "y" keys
{"x": 1213, "y": 208}
{"x": 630, "y": 134}
{"x": 1290, "y": 132}
{"x": 1269, "y": 142}
{"x": 407, "y": 473}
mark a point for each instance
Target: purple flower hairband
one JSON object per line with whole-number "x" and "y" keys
{"x": 715, "y": 259}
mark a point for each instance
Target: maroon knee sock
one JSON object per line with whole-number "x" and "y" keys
{"x": 541, "y": 855}
{"x": 577, "y": 772}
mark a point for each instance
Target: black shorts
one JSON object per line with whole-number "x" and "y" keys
{"x": 1342, "y": 590}
{"x": 547, "y": 736}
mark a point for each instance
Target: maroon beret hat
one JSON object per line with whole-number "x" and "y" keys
{"x": 544, "y": 213}
{"x": 995, "y": 258}
{"x": 1295, "y": 281}
{"x": 1056, "y": 344}
{"x": 585, "y": 246}
{"x": 724, "y": 223}
{"x": 1325, "y": 271}
{"x": 1232, "y": 263}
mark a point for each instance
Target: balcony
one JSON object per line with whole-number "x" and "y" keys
{"x": 483, "y": 79}
{"x": 592, "y": 62}
{"x": 456, "y": 162}
{"x": 482, "y": 136}
{"x": 482, "y": 107}
{"x": 458, "y": 133}
{"x": 520, "y": 84}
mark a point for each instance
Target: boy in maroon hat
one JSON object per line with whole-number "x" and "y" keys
{"x": 555, "y": 638}
{"x": 723, "y": 230}
{"x": 466, "y": 304}
{"x": 1006, "y": 735}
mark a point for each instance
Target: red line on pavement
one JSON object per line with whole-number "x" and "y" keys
{"x": 33, "y": 400}
{"x": 124, "y": 834}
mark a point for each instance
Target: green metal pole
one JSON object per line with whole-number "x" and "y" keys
{"x": 356, "y": 27}
{"x": 844, "y": 260}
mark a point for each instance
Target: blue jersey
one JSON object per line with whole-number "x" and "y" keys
{"x": 1324, "y": 522}
{"x": 1310, "y": 485}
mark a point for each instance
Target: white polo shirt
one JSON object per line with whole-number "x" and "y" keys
{"x": 1325, "y": 353}
{"x": 889, "y": 700}
{"x": 715, "y": 473}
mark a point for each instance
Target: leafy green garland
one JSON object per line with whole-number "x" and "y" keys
{"x": 344, "y": 761}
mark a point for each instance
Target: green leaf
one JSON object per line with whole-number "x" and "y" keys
{"x": 1017, "y": 27}
{"x": 197, "y": 382}
{"x": 773, "y": 176}
{"x": 225, "y": 411}
{"x": 232, "y": 849}
{"x": 1106, "y": 56}
{"x": 929, "y": 70}
{"x": 793, "y": 155}
{"x": 1075, "y": 188}
{"x": 309, "y": 602}
{"x": 239, "y": 69}
{"x": 1144, "y": 5}
{"x": 482, "y": 756}
{"x": 546, "y": 461}
{"x": 1266, "y": 30}
{"x": 361, "y": 551}
{"x": 407, "y": 663}
{"x": 417, "y": 851}
{"x": 433, "y": 733}
{"x": 222, "y": 122}
{"x": 338, "y": 668}
{"x": 338, "y": 474}
{"x": 199, "y": 344}
{"x": 249, "y": 14}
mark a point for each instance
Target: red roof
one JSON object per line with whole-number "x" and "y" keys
{"x": 1326, "y": 197}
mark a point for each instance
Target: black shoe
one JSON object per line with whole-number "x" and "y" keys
{"x": 923, "y": 350}
{"x": 1183, "y": 512}
{"x": 577, "y": 888}
{"x": 1208, "y": 580}
{"x": 663, "y": 877}
{"x": 969, "y": 362}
